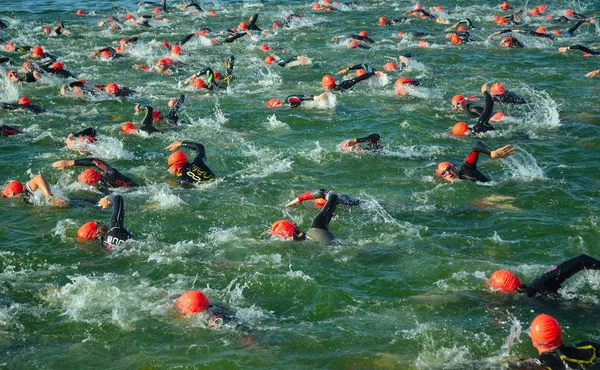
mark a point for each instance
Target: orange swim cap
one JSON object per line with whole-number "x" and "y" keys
{"x": 89, "y": 176}
{"x": 105, "y": 54}
{"x": 283, "y": 228}
{"x": 156, "y": 10}
{"x": 243, "y": 26}
{"x": 88, "y": 231}
{"x": 37, "y": 51}
{"x": 276, "y": 25}
{"x": 26, "y": 65}
{"x": 24, "y": 100}
{"x": 264, "y": 47}
{"x": 405, "y": 81}
{"x": 328, "y": 82}
{"x": 319, "y": 202}
{"x": 111, "y": 88}
{"x": 541, "y": 30}
{"x": 382, "y": 20}
{"x": 461, "y": 28}
{"x": 390, "y": 66}
{"x": 360, "y": 72}
{"x": 273, "y": 103}
{"x": 501, "y": 20}
{"x": 175, "y": 50}
{"x": 192, "y": 301}
{"x": 269, "y": 59}
{"x": 80, "y": 12}
{"x": 57, "y": 65}
{"x": 353, "y": 44}
{"x": 455, "y": 39}
{"x": 442, "y": 167}
{"x": 542, "y": 8}
{"x": 316, "y": 6}
{"x": 177, "y": 160}
{"x": 127, "y": 127}
{"x": 217, "y": 75}
{"x": 417, "y": 6}
{"x": 457, "y": 99}
{"x": 569, "y": 13}
{"x": 504, "y": 6}
{"x": 13, "y": 188}
{"x": 545, "y": 332}
{"x": 128, "y": 16}
{"x": 423, "y": 43}
{"x": 497, "y": 89}
{"x": 199, "y": 83}
{"x": 165, "y": 44}
{"x": 498, "y": 116}
{"x": 10, "y": 46}
{"x": 166, "y": 61}
{"x": 401, "y": 34}
{"x": 460, "y": 129}
{"x": 212, "y": 13}
{"x": 556, "y": 32}
{"x": 504, "y": 281}
{"x": 363, "y": 33}
{"x": 534, "y": 12}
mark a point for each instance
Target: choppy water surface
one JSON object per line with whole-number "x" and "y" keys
{"x": 405, "y": 287}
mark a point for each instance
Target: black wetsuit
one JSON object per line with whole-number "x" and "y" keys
{"x": 348, "y": 84}
{"x": 358, "y": 38}
{"x": 147, "y": 123}
{"x": 231, "y": 38}
{"x": 288, "y": 19}
{"x": 30, "y": 107}
{"x": 510, "y": 98}
{"x": 116, "y": 234}
{"x": 3, "y": 25}
{"x": 425, "y": 13}
{"x": 468, "y": 170}
{"x": 550, "y": 282}
{"x": 197, "y": 171}
{"x": 283, "y": 62}
{"x": 86, "y": 132}
{"x": 194, "y": 5}
{"x": 584, "y": 49}
{"x": 7, "y": 60}
{"x": 252, "y": 25}
{"x": 343, "y": 199}
{"x": 467, "y": 22}
{"x": 574, "y": 356}
{"x": 113, "y": 52}
{"x": 395, "y": 21}
{"x": 294, "y": 101}
{"x": 58, "y": 72}
{"x": 8, "y": 131}
{"x": 483, "y": 122}
{"x": 85, "y": 88}
{"x": 111, "y": 178}
{"x": 571, "y": 31}
{"x": 211, "y": 82}
{"x": 173, "y": 117}
{"x": 319, "y": 229}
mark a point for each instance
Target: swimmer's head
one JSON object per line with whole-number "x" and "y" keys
{"x": 275, "y": 25}
{"x": 507, "y": 42}
{"x": 319, "y": 202}
{"x": 10, "y": 46}
{"x": 27, "y": 66}
{"x": 455, "y": 39}
{"x": 390, "y": 67}
{"x": 13, "y": 188}
{"x": 542, "y": 8}
{"x": 199, "y": 83}
{"x": 504, "y": 6}
{"x": 13, "y": 76}
{"x": 534, "y": 12}
{"x": 541, "y": 30}
{"x": 112, "y": 88}
{"x": 569, "y": 13}
{"x": 497, "y": 89}
{"x": 91, "y": 231}
{"x": 269, "y": 59}
{"x": 328, "y": 82}
{"x": 501, "y": 21}
{"x": 461, "y": 28}
{"x": 191, "y": 302}
{"x": 360, "y": 72}
{"x": 460, "y": 129}
{"x": 505, "y": 281}
{"x": 176, "y": 161}
{"x": 57, "y": 65}
{"x": 37, "y": 51}
{"x": 243, "y": 26}
{"x": 105, "y": 54}
{"x": 264, "y": 47}
{"x": 80, "y": 12}
{"x": 128, "y": 128}
{"x": 47, "y": 31}
{"x": 459, "y": 102}
{"x": 498, "y": 116}
{"x": 353, "y": 44}
{"x": 23, "y": 100}
{"x": 423, "y": 43}
{"x": 382, "y": 20}
{"x": 284, "y": 228}
{"x": 273, "y": 103}
{"x": 545, "y": 332}
{"x": 406, "y": 81}
{"x": 89, "y": 176}
{"x": 128, "y": 16}
{"x": 176, "y": 50}
{"x": 447, "y": 171}
{"x": 316, "y": 6}
{"x": 363, "y": 33}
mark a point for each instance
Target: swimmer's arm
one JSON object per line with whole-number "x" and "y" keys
{"x": 199, "y": 148}
{"x": 592, "y": 73}
{"x": 489, "y": 107}
{"x": 490, "y": 37}
{"x": 118, "y": 209}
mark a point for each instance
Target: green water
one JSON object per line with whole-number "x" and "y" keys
{"x": 403, "y": 289}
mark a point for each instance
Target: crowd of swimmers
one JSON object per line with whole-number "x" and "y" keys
{"x": 545, "y": 331}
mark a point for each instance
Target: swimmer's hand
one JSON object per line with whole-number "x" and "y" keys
{"x": 503, "y": 152}
{"x": 58, "y": 202}
{"x": 345, "y": 70}
{"x": 174, "y": 145}
{"x": 62, "y": 165}
{"x": 293, "y": 202}
{"x": 592, "y": 73}
{"x": 563, "y": 49}
{"x": 484, "y": 88}
{"x": 105, "y": 202}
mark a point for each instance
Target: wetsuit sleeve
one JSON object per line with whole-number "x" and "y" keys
{"x": 538, "y": 34}
{"x": 283, "y": 62}
{"x": 185, "y": 39}
{"x": 7, "y": 130}
{"x": 584, "y": 49}
{"x": 199, "y": 148}
{"x": 91, "y": 162}
{"x": 118, "y": 211}
{"x": 295, "y": 100}
{"x": 576, "y": 26}
{"x": 468, "y": 170}
{"x": 349, "y": 201}
{"x": 32, "y": 108}
{"x": 483, "y": 123}
{"x": 194, "y": 5}
{"x": 90, "y": 131}
{"x": 9, "y": 106}
{"x": 172, "y": 117}
{"x": 348, "y": 84}
{"x": 148, "y": 115}
{"x": 232, "y": 38}
{"x": 322, "y": 219}
{"x": 552, "y": 279}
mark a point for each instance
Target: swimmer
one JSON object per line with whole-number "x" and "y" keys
{"x": 23, "y": 103}
{"x": 113, "y": 89}
{"x": 38, "y": 53}
{"x": 516, "y": 43}
{"x": 29, "y": 76}
{"x": 11, "y": 47}
{"x": 113, "y": 235}
{"x": 147, "y": 123}
{"x": 163, "y": 65}
{"x": 288, "y": 62}
{"x": 6, "y": 130}
{"x": 359, "y": 38}
{"x": 172, "y": 117}
{"x": 466, "y": 22}
{"x": 115, "y": 23}
{"x": 459, "y": 102}
{"x": 231, "y": 38}
{"x": 546, "y": 337}
{"x": 354, "y": 145}
{"x": 109, "y": 178}
{"x": 318, "y": 197}
{"x": 211, "y": 76}
{"x": 38, "y": 182}
{"x": 81, "y": 139}
{"x": 457, "y": 38}
{"x": 319, "y": 228}
{"x": 592, "y": 73}
{"x": 294, "y": 101}
{"x": 287, "y": 20}
{"x": 356, "y": 67}
{"x": 57, "y": 69}
{"x": 328, "y": 82}
{"x": 420, "y": 12}
{"x": 548, "y": 283}
{"x": 383, "y": 21}
{"x": 399, "y": 85}
{"x": 58, "y": 30}
{"x": 195, "y": 172}
{"x": 500, "y": 94}
{"x": 586, "y": 51}
{"x": 483, "y": 122}
{"x": 250, "y": 26}
{"x": 79, "y": 88}
{"x": 162, "y": 3}
{"x": 106, "y": 53}
{"x": 571, "y": 31}
{"x": 468, "y": 170}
